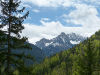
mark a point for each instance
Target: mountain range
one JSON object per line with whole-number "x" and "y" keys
{"x": 46, "y": 47}
{"x": 59, "y": 43}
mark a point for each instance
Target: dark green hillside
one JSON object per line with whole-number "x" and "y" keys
{"x": 34, "y": 51}
{"x": 84, "y": 59}
{"x": 25, "y": 54}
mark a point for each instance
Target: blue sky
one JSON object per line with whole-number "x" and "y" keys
{"x": 54, "y": 14}
{"x": 48, "y": 18}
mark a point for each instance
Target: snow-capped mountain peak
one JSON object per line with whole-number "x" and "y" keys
{"x": 61, "y": 42}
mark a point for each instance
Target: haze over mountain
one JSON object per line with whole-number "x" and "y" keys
{"x": 59, "y": 43}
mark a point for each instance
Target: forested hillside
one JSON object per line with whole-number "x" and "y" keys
{"x": 84, "y": 59}
{"x": 17, "y": 55}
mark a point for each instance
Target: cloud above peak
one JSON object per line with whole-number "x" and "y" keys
{"x": 51, "y": 29}
{"x": 84, "y": 17}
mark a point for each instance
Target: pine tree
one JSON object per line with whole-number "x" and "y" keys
{"x": 10, "y": 38}
{"x": 89, "y": 57}
{"x": 86, "y": 59}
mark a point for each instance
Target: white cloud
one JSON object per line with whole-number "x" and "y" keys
{"x": 45, "y": 19}
{"x": 51, "y": 3}
{"x": 52, "y": 29}
{"x": 36, "y": 10}
{"x": 93, "y": 2}
{"x": 57, "y": 3}
{"x": 84, "y": 15}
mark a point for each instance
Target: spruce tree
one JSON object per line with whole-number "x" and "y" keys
{"x": 86, "y": 58}
{"x": 10, "y": 38}
{"x": 89, "y": 57}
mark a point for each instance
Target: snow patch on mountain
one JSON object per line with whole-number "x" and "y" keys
{"x": 47, "y": 44}
{"x": 56, "y": 44}
{"x": 59, "y": 43}
{"x": 74, "y": 42}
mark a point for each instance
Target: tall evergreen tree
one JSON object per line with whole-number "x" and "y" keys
{"x": 10, "y": 39}
{"x": 89, "y": 57}
{"x": 86, "y": 59}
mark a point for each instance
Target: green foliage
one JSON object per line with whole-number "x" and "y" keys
{"x": 84, "y": 59}
{"x": 10, "y": 38}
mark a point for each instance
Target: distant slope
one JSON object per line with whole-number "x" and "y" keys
{"x": 60, "y": 43}
{"x": 35, "y": 52}
{"x": 83, "y": 59}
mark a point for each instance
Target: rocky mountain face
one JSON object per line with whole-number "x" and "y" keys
{"x": 60, "y": 43}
